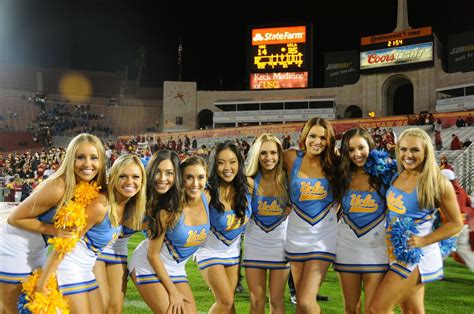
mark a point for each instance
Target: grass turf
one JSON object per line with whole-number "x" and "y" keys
{"x": 454, "y": 294}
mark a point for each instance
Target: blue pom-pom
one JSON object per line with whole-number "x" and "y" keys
{"x": 21, "y": 304}
{"x": 447, "y": 246}
{"x": 402, "y": 229}
{"x": 380, "y": 165}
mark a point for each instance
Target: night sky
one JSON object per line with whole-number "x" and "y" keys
{"x": 105, "y": 35}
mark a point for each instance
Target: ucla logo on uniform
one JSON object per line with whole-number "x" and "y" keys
{"x": 395, "y": 204}
{"x": 234, "y": 223}
{"x": 272, "y": 209}
{"x": 314, "y": 192}
{"x": 195, "y": 238}
{"x": 363, "y": 205}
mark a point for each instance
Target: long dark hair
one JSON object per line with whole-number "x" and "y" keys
{"x": 347, "y": 167}
{"x": 169, "y": 201}
{"x": 328, "y": 158}
{"x": 239, "y": 183}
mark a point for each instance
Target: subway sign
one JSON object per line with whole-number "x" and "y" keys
{"x": 279, "y": 57}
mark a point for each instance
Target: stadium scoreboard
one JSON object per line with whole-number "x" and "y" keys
{"x": 412, "y": 47}
{"x": 280, "y": 57}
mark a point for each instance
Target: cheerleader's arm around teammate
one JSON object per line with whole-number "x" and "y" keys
{"x": 123, "y": 202}
{"x": 23, "y": 247}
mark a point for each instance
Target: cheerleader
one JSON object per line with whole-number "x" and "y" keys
{"x": 361, "y": 254}
{"x": 312, "y": 225}
{"x": 122, "y": 203}
{"x": 230, "y": 209}
{"x": 417, "y": 192}
{"x": 178, "y": 225}
{"x": 265, "y": 235}
{"x": 23, "y": 246}
{"x": 110, "y": 269}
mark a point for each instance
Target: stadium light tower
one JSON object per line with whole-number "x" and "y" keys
{"x": 402, "y": 16}
{"x": 180, "y": 59}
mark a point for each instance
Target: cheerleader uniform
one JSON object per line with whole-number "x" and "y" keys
{"x": 312, "y": 225}
{"x": 117, "y": 252}
{"x": 401, "y": 204}
{"x": 222, "y": 246}
{"x": 265, "y": 235}
{"x": 361, "y": 241}
{"x": 22, "y": 251}
{"x": 180, "y": 243}
{"x": 75, "y": 270}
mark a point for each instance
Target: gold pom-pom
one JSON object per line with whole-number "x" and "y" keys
{"x": 52, "y": 302}
{"x": 64, "y": 245}
{"x": 29, "y": 283}
{"x": 86, "y": 192}
{"x": 71, "y": 215}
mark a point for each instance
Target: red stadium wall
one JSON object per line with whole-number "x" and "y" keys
{"x": 17, "y": 141}
{"x": 339, "y": 126}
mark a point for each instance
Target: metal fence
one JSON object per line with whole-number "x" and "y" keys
{"x": 464, "y": 165}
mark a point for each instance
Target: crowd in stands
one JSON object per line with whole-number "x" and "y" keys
{"x": 28, "y": 169}
{"x": 60, "y": 120}
{"x": 21, "y": 173}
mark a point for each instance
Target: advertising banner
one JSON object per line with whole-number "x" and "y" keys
{"x": 461, "y": 52}
{"x": 278, "y": 80}
{"x": 279, "y": 56}
{"x": 341, "y": 68}
{"x": 416, "y": 53}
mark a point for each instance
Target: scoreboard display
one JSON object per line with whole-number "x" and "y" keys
{"x": 279, "y": 57}
{"x": 386, "y": 51}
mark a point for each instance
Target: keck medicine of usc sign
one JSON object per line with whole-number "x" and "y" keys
{"x": 278, "y": 58}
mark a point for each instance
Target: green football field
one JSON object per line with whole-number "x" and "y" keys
{"x": 453, "y": 295}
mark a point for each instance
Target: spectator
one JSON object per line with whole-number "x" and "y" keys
{"x": 194, "y": 144}
{"x": 187, "y": 143}
{"x": 421, "y": 119}
{"x": 431, "y": 120}
{"x": 171, "y": 143}
{"x": 26, "y": 189}
{"x": 470, "y": 120}
{"x": 467, "y": 143}
{"x": 444, "y": 164}
{"x": 465, "y": 245}
{"x": 438, "y": 140}
{"x": 179, "y": 144}
{"x": 438, "y": 125}
{"x": 455, "y": 142}
{"x": 412, "y": 119}
{"x": 460, "y": 122}
{"x": 286, "y": 142}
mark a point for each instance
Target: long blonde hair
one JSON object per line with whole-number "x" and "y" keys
{"x": 66, "y": 170}
{"x": 431, "y": 183}
{"x": 253, "y": 164}
{"x": 135, "y": 207}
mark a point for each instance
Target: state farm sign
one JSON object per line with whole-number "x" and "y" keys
{"x": 396, "y": 56}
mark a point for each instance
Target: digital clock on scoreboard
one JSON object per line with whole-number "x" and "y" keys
{"x": 408, "y": 47}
